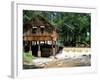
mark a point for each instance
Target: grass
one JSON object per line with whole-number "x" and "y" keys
{"x": 27, "y": 57}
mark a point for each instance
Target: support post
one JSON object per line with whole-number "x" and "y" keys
{"x": 53, "y": 48}
{"x": 39, "y": 51}
{"x": 29, "y": 44}
{"x": 30, "y": 50}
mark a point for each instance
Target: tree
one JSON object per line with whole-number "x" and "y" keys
{"x": 73, "y": 27}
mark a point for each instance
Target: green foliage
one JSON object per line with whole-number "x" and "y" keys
{"x": 27, "y": 57}
{"x": 72, "y": 26}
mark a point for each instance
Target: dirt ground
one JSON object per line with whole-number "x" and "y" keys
{"x": 63, "y": 59}
{"x": 58, "y": 63}
{"x": 67, "y": 63}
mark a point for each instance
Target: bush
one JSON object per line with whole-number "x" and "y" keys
{"x": 27, "y": 57}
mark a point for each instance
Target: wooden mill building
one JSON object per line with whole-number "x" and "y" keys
{"x": 37, "y": 32}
